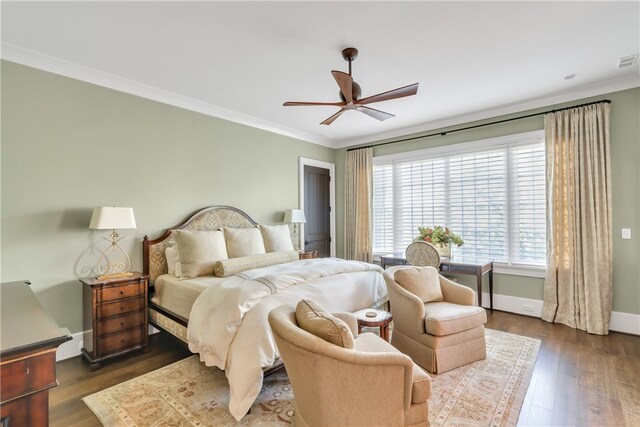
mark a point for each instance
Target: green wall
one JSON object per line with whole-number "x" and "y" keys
{"x": 68, "y": 146}
{"x": 625, "y": 176}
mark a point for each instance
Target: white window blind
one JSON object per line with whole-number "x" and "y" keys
{"x": 490, "y": 192}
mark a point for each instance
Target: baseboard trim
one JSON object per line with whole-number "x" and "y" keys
{"x": 627, "y": 323}
{"x": 72, "y": 348}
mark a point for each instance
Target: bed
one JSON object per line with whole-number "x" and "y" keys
{"x": 224, "y": 320}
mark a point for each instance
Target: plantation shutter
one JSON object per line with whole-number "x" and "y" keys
{"x": 492, "y": 193}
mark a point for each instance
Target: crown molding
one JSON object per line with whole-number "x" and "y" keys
{"x": 54, "y": 65}
{"x": 602, "y": 88}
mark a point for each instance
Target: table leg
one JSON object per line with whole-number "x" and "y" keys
{"x": 491, "y": 287}
{"x": 384, "y": 332}
{"x": 479, "y": 282}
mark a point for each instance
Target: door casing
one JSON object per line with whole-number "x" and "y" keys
{"x": 303, "y": 161}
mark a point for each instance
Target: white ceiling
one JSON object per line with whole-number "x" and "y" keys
{"x": 242, "y": 60}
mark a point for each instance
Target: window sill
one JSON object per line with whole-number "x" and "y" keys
{"x": 520, "y": 270}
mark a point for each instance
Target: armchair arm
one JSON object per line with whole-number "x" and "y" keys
{"x": 456, "y": 293}
{"x": 350, "y": 320}
{"x": 396, "y": 362}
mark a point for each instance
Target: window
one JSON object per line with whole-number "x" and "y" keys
{"x": 491, "y": 192}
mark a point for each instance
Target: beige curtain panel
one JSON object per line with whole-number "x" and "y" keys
{"x": 578, "y": 285}
{"x": 358, "y": 183}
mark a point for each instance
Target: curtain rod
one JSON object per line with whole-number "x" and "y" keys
{"x": 607, "y": 101}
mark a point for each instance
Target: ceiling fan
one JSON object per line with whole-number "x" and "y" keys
{"x": 350, "y": 92}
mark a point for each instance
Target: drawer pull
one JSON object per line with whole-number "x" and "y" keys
{"x": 122, "y": 340}
{"x": 122, "y": 323}
{"x": 121, "y": 292}
{"x": 122, "y": 307}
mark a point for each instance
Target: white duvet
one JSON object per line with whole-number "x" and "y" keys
{"x": 228, "y": 324}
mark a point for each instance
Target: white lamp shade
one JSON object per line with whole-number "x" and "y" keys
{"x": 295, "y": 216}
{"x": 112, "y": 218}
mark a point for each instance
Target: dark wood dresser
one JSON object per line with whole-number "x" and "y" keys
{"x": 29, "y": 342}
{"x": 115, "y": 316}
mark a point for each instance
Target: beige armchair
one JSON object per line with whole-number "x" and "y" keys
{"x": 439, "y": 335}
{"x": 372, "y": 384}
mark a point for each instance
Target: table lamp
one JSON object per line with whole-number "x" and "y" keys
{"x": 295, "y": 217}
{"x": 112, "y": 218}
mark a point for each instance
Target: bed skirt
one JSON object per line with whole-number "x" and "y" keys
{"x": 169, "y": 325}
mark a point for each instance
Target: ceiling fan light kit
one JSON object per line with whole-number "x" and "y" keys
{"x": 351, "y": 92}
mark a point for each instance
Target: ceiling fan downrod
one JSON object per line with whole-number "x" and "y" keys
{"x": 350, "y": 54}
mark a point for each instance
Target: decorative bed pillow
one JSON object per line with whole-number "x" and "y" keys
{"x": 423, "y": 282}
{"x": 173, "y": 260}
{"x": 231, "y": 266}
{"x": 276, "y": 238}
{"x": 315, "y": 320}
{"x": 243, "y": 241}
{"x": 198, "y": 251}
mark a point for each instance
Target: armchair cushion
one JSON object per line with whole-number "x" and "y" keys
{"x": 423, "y": 282}
{"x": 443, "y": 318}
{"x": 421, "y": 382}
{"x": 315, "y": 320}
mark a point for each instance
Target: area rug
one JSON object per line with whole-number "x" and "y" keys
{"x": 485, "y": 393}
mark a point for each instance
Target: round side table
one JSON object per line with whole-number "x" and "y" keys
{"x": 381, "y": 319}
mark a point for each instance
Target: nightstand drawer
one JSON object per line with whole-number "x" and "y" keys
{"x": 120, "y": 292}
{"x": 120, "y": 307}
{"x": 122, "y": 341}
{"x": 308, "y": 255}
{"x": 120, "y": 323}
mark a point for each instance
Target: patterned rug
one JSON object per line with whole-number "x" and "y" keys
{"x": 485, "y": 393}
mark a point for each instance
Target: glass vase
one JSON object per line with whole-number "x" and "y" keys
{"x": 444, "y": 250}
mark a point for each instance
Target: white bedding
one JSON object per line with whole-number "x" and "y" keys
{"x": 178, "y": 296}
{"x": 228, "y": 324}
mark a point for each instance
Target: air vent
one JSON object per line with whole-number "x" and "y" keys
{"x": 627, "y": 61}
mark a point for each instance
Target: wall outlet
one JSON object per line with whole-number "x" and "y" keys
{"x": 626, "y": 233}
{"x": 527, "y": 308}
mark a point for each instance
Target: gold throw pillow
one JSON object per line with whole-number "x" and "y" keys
{"x": 315, "y": 320}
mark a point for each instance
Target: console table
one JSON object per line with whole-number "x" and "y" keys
{"x": 29, "y": 342}
{"x": 471, "y": 266}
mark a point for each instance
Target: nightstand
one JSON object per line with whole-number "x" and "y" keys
{"x": 115, "y": 316}
{"x": 309, "y": 255}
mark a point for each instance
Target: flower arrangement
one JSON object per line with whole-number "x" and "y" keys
{"x": 439, "y": 236}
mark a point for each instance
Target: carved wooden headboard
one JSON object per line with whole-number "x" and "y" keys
{"x": 210, "y": 218}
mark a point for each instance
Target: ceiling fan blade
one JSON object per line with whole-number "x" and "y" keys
{"x": 345, "y": 81}
{"x": 297, "y": 103}
{"x": 400, "y": 92}
{"x": 332, "y": 118}
{"x": 376, "y": 114}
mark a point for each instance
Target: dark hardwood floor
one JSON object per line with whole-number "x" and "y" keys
{"x": 579, "y": 379}
{"x": 66, "y": 408}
